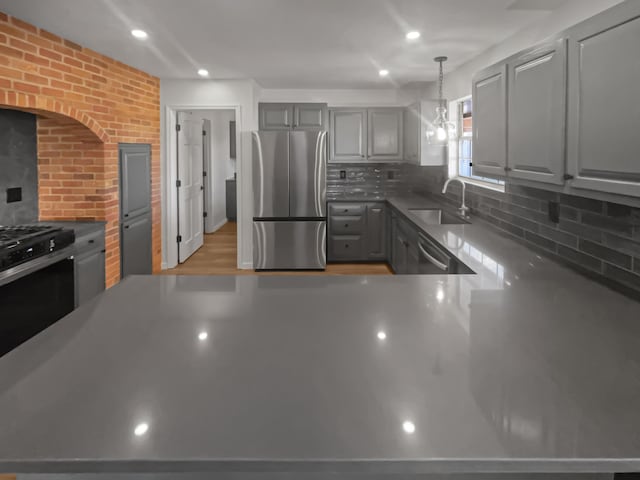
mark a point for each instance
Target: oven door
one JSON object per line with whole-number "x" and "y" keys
{"x": 34, "y": 302}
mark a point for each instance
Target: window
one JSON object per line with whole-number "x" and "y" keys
{"x": 464, "y": 160}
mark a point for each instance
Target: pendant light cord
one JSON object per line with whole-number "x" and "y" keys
{"x": 440, "y": 81}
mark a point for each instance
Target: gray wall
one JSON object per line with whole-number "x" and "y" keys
{"x": 18, "y": 166}
{"x": 600, "y": 239}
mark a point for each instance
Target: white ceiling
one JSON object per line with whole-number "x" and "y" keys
{"x": 287, "y": 43}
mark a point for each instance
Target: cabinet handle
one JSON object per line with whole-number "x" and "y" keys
{"x": 346, "y": 225}
{"x": 346, "y": 246}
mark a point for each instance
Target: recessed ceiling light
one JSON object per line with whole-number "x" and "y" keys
{"x": 409, "y": 427}
{"x": 413, "y": 35}
{"x": 203, "y": 72}
{"x": 383, "y": 73}
{"x": 140, "y": 34}
{"x": 382, "y": 335}
{"x": 203, "y": 336}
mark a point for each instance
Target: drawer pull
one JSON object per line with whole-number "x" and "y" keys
{"x": 346, "y": 245}
{"x": 346, "y": 210}
{"x": 346, "y": 225}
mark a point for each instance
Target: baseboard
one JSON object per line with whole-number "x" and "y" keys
{"x": 246, "y": 266}
{"x": 217, "y": 226}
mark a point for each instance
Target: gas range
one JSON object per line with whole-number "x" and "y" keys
{"x": 21, "y": 243}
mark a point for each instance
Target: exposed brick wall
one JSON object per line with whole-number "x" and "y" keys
{"x": 87, "y": 103}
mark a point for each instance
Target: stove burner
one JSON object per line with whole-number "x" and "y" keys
{"x": 21, "y": 243}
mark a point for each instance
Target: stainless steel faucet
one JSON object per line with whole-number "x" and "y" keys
{"x": 464, "y": 210}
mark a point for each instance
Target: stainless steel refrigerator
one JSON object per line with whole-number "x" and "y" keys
{"x": 289, "y": 200}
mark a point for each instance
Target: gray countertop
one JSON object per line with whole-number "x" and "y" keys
{"x": 525, "y": 366}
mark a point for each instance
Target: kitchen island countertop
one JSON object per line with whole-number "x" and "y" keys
{"x": 525, "y": 366}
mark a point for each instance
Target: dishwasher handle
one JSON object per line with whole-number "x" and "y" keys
{"x": 431, "y": 259}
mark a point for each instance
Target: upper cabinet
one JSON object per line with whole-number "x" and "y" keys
{"x": 348, "y": 135}
{"x": 292, "y": 116}
{"x": 310, "y": 116}
{"x": 417, "y": 149}
{"x": 276, "y": 116}
{"x": 565, "y": 113}
{"x": 366, "y": 134}
{"x": 385, "y": 134}
{"x": 536, "y": 130}
{"x": 604, "y": 102}
{"x": 490, "y": 121}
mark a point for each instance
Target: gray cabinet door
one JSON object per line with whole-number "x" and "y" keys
{"x": 375, "y": 236}
{"x": 490, "y": 122}
{"x": 385, "y": 137}
{"x": 135, "y": 246}
{"x": 536, "y": 133}
{"x": 348, "y": 137}
{"x": 412, "y": 127}
{"x": 135, "y": 180}
{"x": 275, "y": 116}
{"x": 398, "y": 248}
{"x": 89, "y": 276}
{"x": 310, "y": 116}
{"x": 604, "y": 111}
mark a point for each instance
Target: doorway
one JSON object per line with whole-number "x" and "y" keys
{"x": 205, "y": 166}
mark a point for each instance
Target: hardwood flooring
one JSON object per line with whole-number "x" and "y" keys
{"x": 218, "y": 256}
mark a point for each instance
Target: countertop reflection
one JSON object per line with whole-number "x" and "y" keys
{"x": 524, "y": 366}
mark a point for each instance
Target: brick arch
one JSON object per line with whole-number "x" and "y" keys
{"x": 51, "y": 108}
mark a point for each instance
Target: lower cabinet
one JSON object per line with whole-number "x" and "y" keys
{"x": 357, "y": 232}
{"x": 135, "y": 246}
{"x": 89, "y": 276}
{"x": 89, "y": 265}
{"x": 404, "y": 247}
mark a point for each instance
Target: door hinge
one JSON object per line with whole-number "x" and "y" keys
{"x": 179, "y": 238}
{"x": 204, "y": 174}
{"x": 204, "y": 214}
{"x": 507, "y": 169}
{"x": 566, "y": 176}
{"x": 204, "y": 133}
{"x": 178, "y": 183}
{"x": 178, "y": 128}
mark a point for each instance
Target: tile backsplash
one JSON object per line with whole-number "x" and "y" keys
{"x": 598, "y": 238}
{"x": 366, "y": 181}
{"x": 18, "y": 166}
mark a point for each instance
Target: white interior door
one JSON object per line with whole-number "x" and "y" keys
{"x": 191, "y": 187}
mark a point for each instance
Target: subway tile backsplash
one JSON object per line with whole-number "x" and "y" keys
{"x": 598, "y": 238}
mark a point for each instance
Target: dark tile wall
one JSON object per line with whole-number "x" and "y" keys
{"x": 598, "y": 238}
{"x": 18, "y": 166}
{"x": 374, "y": 182}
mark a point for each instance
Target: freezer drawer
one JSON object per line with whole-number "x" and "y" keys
{"x": 289, "y": 245}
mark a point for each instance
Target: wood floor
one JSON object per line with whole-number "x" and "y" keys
{"x": 219, "y": 255}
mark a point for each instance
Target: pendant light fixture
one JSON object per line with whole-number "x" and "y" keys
{"x": 441, "y": 130}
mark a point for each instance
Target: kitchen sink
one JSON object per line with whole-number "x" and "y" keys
{"x": 436, "y": 217}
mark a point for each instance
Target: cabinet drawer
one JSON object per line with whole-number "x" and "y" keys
{"x": 89, "y": 242}
{"x": 345, "y": 247}
{"x": 346, "y": 209}
{"x": 346, "y": 225}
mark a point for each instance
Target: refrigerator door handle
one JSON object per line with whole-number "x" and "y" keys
{"x": 319, "y": 172}
{"x": 258, "y": 143}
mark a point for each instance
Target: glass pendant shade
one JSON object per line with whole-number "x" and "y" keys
{"x": 441, "y": 130}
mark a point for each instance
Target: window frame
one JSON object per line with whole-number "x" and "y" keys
{"x": 455, "y": 148}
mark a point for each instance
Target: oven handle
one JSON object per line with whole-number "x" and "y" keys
{"x": 436, "y": 262}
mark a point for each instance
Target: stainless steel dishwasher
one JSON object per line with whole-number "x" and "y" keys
{"x": 436, "y": 260}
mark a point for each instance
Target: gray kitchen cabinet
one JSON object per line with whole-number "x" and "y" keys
{"x": 357, "y": 232}
{"x": 376, "y": 232}
{"x": 385, "y": 136}
{"x": 405, "y": 259}
{"x": 348, "y": 135}
{"x": 89, "y": 270}
{"x": 417, "y": 149}
{"x": 603, "y": 107}
{"x": 275, "y": 116}
{"x": 135, "y": 246}
{"x": 537, "y": 112}
{"x": 89, "y": 264}
{"x": 490, "y": 121}
{"x": 310, "y": 116}
{"x": 135, "y": 180}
